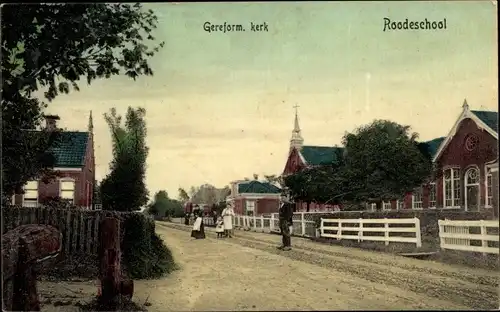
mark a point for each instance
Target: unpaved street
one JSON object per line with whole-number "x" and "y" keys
{"x": 248, "y": 273}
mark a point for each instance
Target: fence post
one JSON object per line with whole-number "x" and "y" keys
{"x": 418, "y": 234}
{"x": 360, "y": 230}
{"x": 321, "y": 230}
{"x": 484, "y": 242}
{"x": 303, "y": 223}
{"x": 254, "y": 222}
{"x": 271, "y": 222}
{"x": 339, "y": 230}
{"x": 441, "y": 230}
{"x": 262, "y": 223}
{"x": 386, "y": 233}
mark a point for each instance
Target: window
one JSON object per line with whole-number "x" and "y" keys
{"x": 416, "y": 202}
{"x": 451, "y": 187}
{"x": 30, "y": 197}
{"x": 401, "y": 204}
{"x": 387, "y": 205}
{"x": 432, "y": 195}
{"x": 67, "y": 190}
{"x": 489, "y": 188}
{"x": 250, "y": 207}
{"x": 373, "y": 206}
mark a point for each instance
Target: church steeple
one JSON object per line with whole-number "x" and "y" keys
{"x": 296, "y": 141}
{"x": 91, "y": 123}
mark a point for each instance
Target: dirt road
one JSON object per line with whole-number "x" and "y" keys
{"x": 248, "y": 273}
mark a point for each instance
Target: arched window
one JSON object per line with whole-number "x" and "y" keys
{"x": 451, "y": 188}
{"x": 471, "y": 189}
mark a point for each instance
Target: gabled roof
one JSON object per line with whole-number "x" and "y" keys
{"x": 432, "y": 146}
{"x": 319, "y": 155}
{"x": 489, "y": 118}
{"x": 70, "y": 150}
{"x": 257, "y": 187}
{"x": 484, "y": 119}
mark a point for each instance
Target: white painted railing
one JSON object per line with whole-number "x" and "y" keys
{"x": 301, "y": 226}
{"x": 360, "y": 229}
{"x": 455, "y": 234}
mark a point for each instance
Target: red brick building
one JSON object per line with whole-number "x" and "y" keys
{"x": 75, "y": 165}
{"x": 254, "y": 197}
{"x": 468, "y": 156}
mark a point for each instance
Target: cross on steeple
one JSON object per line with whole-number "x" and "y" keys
{"x": 297, "y": 139}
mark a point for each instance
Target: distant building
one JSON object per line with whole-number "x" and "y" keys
{"x": 254, "y": 197}
{"x": 75, "y": 165}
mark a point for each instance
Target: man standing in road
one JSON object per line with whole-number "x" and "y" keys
{"x": 285, "y": 218}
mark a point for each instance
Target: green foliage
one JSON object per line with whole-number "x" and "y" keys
{"x": 144, "y": 253}
{"x": 380, "y": 161}
{"x": 124, "y": 188}
{"x": 55, "y": 46}
{"x": 165, "y": 207}
{"x": 323, "y": 184}
{"x": 183, "y": 195}
{"x": 383, "y": 161}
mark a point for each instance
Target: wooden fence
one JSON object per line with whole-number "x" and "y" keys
{"x": 358, "y": 229}
{"x": 459, "y": 235}
{"x": 79, "y": 227}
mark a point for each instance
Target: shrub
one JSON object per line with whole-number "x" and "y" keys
{"x": 144, "y": 253}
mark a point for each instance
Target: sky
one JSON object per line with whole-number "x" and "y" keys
{"x": 220, "y": 105}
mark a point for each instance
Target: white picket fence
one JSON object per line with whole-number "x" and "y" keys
{"x": 301, "y": 226}
{"x": 344, "y": 225}
{"x": 456, "y": 235}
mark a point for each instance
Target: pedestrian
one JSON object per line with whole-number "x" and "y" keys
{"x": 186, "y": 218}
{"x": 286, "y": 222}
{"x": 214, "y": 215}
{"x": 198, "y": 231}
{"x": 219, "y": 227}
{"x": 227, "y": 215}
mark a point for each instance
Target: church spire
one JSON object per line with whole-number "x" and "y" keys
{"x": 296, "y": 141}
{"x": 91, "y": 123}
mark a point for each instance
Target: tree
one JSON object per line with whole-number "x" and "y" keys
{"x": 275, "y": 180}
{"x": 383, "y": 162}
{"x": 124, "y": 188}
{"x": 321, "y": 184}
{"x": 205, "y": 194}
{"x": 255, "y": 176}
{"x": 183, "y": 195}
{"x": 54, "y": 46}
{"x": 163, "y": 205}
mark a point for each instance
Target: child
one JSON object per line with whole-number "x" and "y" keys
{"x": 219, "y": 227}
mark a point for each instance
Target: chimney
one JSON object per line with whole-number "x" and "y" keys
{"x": 51, "y": 122}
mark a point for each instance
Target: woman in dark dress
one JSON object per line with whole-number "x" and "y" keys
{"x": 186, "y": 218}
{"x": 198, "y": 231}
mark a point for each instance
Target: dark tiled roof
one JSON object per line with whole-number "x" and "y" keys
{"x": 258, "y": 187}
{"x": 431, "y": 146}
{"x": 320, "y": 155}
{"x": 70, "y": 149}
{"x": 489, "y": 118}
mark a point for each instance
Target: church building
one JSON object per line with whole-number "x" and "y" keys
{"x": 303, "y": 156}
